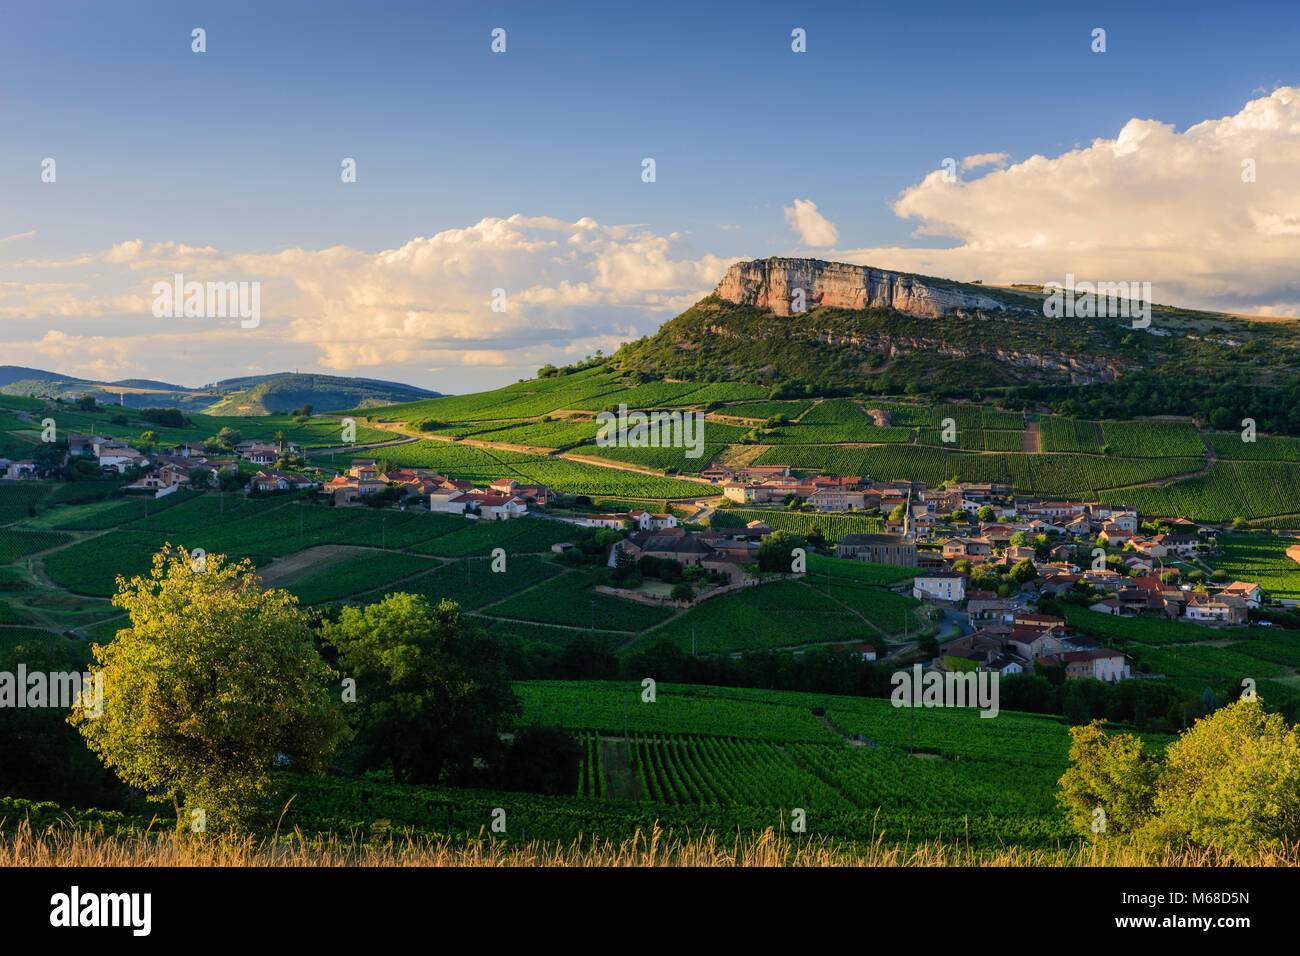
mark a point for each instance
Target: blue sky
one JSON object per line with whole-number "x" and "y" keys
{"x": 238, "y": 148}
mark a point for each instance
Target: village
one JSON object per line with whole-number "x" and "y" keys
{"x": 985, "y": 558}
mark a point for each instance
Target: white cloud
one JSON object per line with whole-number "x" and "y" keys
{"x": 813, "y": 228}
{"x": 19, "y": 235}
{"x": 985, "y": 159}
{"x": 1152, "y": 204}
{"x": 570, "y": 288}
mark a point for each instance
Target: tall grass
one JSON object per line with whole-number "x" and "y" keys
{"x": 85, "y": 847}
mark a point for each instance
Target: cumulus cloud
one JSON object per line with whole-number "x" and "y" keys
{"x": 1153, "y": 204}
{"x": 813, "y": 228}
{"x": 424, "y": 306}
{"x": 985, "y": 159}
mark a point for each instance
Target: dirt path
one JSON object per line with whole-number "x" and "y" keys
{"x": 851, "y": 741}
{"x": 344, "y": 449}
{"x": 1031, "y": 440}
{"x": 298, "y": 565}
{"x": 624, "y": 466}
{"x": 620, "y": 780}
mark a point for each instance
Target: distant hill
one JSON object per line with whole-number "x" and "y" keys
{"x": 875, "y": 330}
{"x": 248, "y": 395}
{"x": 9, "y": 374}
{"x": 281, "y": 393}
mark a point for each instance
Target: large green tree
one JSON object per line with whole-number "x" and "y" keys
{"x": 1230, "y": 783}
{"x": 776, "y": 551}
{"x": 432, "y": 693}
{"x": 215, "y": 682}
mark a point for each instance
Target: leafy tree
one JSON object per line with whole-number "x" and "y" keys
{"x": 683, "y": 592}
{"x": 986, "y": 513}
{"x": 41, "y": 757}
{"x": 433, "y": 692}
{"x": 1113, "y": 773}
{"x": 624, "y": 564}
{"x": 215, "y": 680}
{"x": 898, "y": 513}
{"x": 200, "y": 478}
{"x": 228, "y": 479}
{"x": 541, "y": 760}
{"x": 1232, "y": 783}
{"x": 1018, "y": 539}
{"x": 87, "y": 403}
{"x": 1023, "y": 571}
{"x": 224, "y": 441}
{"x": 586, "y": 658}
{"x": 169, "y": 417}
{"x": 1076, "y": 710}
{"x": 48, "y": 459}
{"x": 776, "y": 551}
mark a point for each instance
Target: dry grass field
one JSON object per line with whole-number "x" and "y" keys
{"x": 77, "y": 847}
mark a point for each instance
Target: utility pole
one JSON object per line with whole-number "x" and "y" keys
{"x": 593, "y": 616}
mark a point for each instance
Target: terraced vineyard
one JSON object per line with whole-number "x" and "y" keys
{"x": 608, "y": 706}
{"x": 832, "y": 421}
{"x": 486, "y": 465}
{"x": 1230, "y": 445}
{"x": 522, "y": 400}
{"x": 1261, "y": 559}
{"x": 15, "y": 543}
{"x": 1201, "y": 663}
{"x": 973, "y": 439}
{"x": 1241, "y": 489}
{"x": 356, "y": 574}
{"x": 717, "y": 772}
{"x": 1145, "y": 630}
{"x": 18, "y": 498}
{"x": 1068, "y": 435}
{"x": 788, "y": 613}
{"x": 763, "y": 411}
{"x": 718, "y": 749}
{"x": 658, "y": 458}
{"x": 1077, "y": 476}
{"x": 473, "y": 584}
{"x": 832, "y": 526}
{"x": 1152, "y": 439}
{"x": 569, "y": 601}
{"x": 865, "y": 572}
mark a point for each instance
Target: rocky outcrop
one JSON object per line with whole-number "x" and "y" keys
{"x": 772, "y": 284}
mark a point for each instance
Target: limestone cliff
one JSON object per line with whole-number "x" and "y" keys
{"x": 771, "y": 284}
